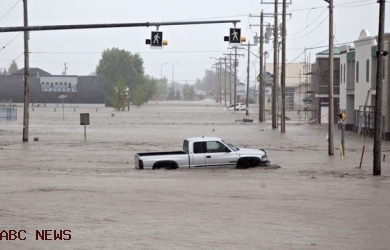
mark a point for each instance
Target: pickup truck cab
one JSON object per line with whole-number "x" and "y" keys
{"x": 203, "y": 152}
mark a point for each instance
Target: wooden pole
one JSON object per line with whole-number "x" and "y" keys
{"x": 275, "y": 77}
{"x": 26, "y": 76}
{"x": 331, "y": 105}
{"x": 261, "y": 73}
{"x": 283, "y": 75}
{"x": 378, "y": 100}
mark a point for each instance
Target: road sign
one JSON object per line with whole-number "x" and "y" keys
{"x": 156, "y": 39}
{"x": 235, "y": 36}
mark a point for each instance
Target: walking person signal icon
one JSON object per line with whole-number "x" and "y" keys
{"x": 156, "y": 39}
{"x": 235, "y": 35}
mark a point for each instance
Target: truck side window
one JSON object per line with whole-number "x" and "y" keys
{"x": 215, "y": 147}
{"x": 199, "y": 148}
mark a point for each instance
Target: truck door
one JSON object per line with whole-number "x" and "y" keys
{"x": 199, "y": 154}
{"x": 217, "y": 154}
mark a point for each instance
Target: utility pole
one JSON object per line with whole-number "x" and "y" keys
{"x": 380, "y": 55}
{"x": 220, "y": 80}
{"x": 235, "y": 78}
{"x": 225, "y": 81}
{"x": 235, "y": 74}
{"x": 265, "y": 39}
{"x": 230, "y": 78}
{"x": 331, "y": 105}
{"x": 247, "y": 83}
{"x": 276, "y": 73}
{"x": 283, "y": 75}
{"x": 261, "y": 73}
{"x": 26, "y": 76}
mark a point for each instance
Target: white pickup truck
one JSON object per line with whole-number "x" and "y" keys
{"x": 203, "y": 152}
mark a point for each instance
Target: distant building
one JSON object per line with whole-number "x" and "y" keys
{"x": 45, "y": 89}
{"x": 358, "y": 84}
{"x": 320, "y": 86}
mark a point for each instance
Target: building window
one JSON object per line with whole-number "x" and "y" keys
{"x": 341, "y": 73}
{"x": 70, "y": 85}
{"x": 51, "y": 85}
{"x": 47, "y": 83}
{"x": 357, "y": 71}
{"x": 56, "y": 83}
{"x": 367, "y": 70}
{"x": 65, "y": 83}
{"x": 60, "y": 83}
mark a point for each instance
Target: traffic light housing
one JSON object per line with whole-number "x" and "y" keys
{"x": 341, "y": 116}
{"x": 156, "y": 40}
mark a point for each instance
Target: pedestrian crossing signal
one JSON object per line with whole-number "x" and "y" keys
{"x": 341, "y": 116}
{"x": 156, "y": 39}
{"x": 235, "y": 36}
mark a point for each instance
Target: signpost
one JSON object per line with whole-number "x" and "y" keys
{"x": 84, "y": 120}
{"x": 62, "y": 97}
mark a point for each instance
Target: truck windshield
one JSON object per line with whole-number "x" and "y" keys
{"x": 232, "y": 147}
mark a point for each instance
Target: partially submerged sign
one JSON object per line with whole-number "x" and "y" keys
{"x": 84, "y": 120}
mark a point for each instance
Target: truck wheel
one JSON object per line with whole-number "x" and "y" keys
{"x": 248, "y": 162}
{"x": 166, "y": 165}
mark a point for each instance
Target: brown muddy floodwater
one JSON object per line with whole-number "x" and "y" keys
{"x": 90, "y": 192}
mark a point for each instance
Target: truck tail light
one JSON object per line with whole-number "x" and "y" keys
{"x": 140, "y": 164}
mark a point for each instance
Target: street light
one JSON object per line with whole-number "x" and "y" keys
{"x": 173, "y": 77}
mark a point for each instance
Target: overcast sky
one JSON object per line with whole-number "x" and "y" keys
{"x": 191, "y": 46}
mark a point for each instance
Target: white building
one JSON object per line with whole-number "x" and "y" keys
{"x": 358, "y": 83}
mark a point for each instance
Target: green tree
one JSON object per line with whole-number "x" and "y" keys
{"x": 178, "y": 95}
{"x": 171, "y": 94}
{"x": 13, "y": 67}
{"x": 139, "y": 94}
{"x": 162, "y": 88}
{"x": 192, "y": 92}
{"x": 116, "y": 64}
{"x": 150, "y": 87}
{"x": 117, "y": 94}
{"x": 186, "y": 92}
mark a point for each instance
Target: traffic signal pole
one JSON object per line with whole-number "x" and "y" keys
{"x": 26, "y": 29}
{"x": 107, "y": 25}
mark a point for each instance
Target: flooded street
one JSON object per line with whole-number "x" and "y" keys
{"x": 91, "y": 191}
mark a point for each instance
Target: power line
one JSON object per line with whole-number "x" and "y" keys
{"x": 9, "y": 10}
{"x": 307, "y": 26}
{"x": 10, "y": 41}
{"x": 291, "y": 39}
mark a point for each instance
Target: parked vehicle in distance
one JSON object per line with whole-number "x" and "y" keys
{"x": 239, "y": 106}
{"x": 203, "y": 152}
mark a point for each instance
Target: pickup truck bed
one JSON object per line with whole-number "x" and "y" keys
{"x": 162, "y": 153}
